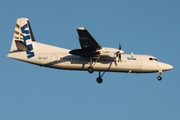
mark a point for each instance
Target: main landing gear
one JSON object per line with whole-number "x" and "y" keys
{"x": 99, "y": 79}
{"x": 159, "y": 77}
{"x": 90, "y": 68}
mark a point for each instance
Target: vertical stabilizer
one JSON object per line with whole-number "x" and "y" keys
{"x": 23, "y": 37}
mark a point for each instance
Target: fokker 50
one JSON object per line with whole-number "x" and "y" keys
{"x": 90, "y": 57}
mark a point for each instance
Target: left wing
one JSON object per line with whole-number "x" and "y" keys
{"x": 89, "y": 46}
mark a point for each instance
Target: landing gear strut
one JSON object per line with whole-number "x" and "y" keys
{"x": 90, "y": 68}
{"x": 159, "y": 77}
{"x": 99, "y": 79}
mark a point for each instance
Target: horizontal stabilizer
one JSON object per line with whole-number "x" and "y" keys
{"x": 21, "y": 46}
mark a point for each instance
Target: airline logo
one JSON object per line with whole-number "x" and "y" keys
{"x": 131, "y": 58}
{"x": 26, "y": 37}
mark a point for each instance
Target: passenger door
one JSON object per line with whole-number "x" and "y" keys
{"x": 139, "y": 64}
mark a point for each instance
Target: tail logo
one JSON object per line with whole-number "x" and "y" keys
{"x": 27, "y": 37}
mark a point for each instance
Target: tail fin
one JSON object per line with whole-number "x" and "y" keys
{"x": 23, "y": 37}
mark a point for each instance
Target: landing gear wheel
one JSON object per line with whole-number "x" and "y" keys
{"x": 90, "y": 70}
{"x": 99, "y": 80}
{"x": 159, "y": 78}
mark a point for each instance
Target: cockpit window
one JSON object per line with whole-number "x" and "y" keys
{"x": 150, "y": 59}
{"x": 153, "y": 59}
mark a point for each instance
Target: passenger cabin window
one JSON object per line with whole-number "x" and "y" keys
{"x": 153, "y": 59}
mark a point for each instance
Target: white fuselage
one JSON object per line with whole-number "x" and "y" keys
{"x": 54, "y": 57}
{"x": 90, "y": 57}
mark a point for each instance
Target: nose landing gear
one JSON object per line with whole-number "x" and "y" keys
{"x": 159, "y": 77}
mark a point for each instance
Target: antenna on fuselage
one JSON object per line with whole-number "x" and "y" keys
{"x": 132, "y": 54}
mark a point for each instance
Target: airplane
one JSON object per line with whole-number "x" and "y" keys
{"x": 89, "y": 57}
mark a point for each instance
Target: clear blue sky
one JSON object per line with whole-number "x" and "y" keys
{"x": 29, "y": 92}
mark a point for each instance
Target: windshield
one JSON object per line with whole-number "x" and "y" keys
{"x": 153, "y": 59}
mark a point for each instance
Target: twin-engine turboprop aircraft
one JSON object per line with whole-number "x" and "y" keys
{"x": 90, "y": 57}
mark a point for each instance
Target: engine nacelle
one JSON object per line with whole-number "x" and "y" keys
{"x": 110, "y": 52}
{"x": 105, "y": 53}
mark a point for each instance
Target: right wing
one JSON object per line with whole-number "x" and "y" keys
{"x": 89, "y": 46}
{"x": 86, "y": 40}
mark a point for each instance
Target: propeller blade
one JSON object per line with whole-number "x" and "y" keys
{"x": 119, "y": 53}
{"x": 119, "y": 57}
{"x": 120, "y": 46}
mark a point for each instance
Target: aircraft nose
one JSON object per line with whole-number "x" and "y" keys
{"x": 168, "y": 67}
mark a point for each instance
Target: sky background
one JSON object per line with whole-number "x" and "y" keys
{"x": 30, "y": 92}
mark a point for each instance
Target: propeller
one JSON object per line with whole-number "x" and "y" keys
{"x": 119, "y": 52}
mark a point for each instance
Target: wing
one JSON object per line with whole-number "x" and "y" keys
{"x": 89, "y": 46}
{"x": 87, "y": 41}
